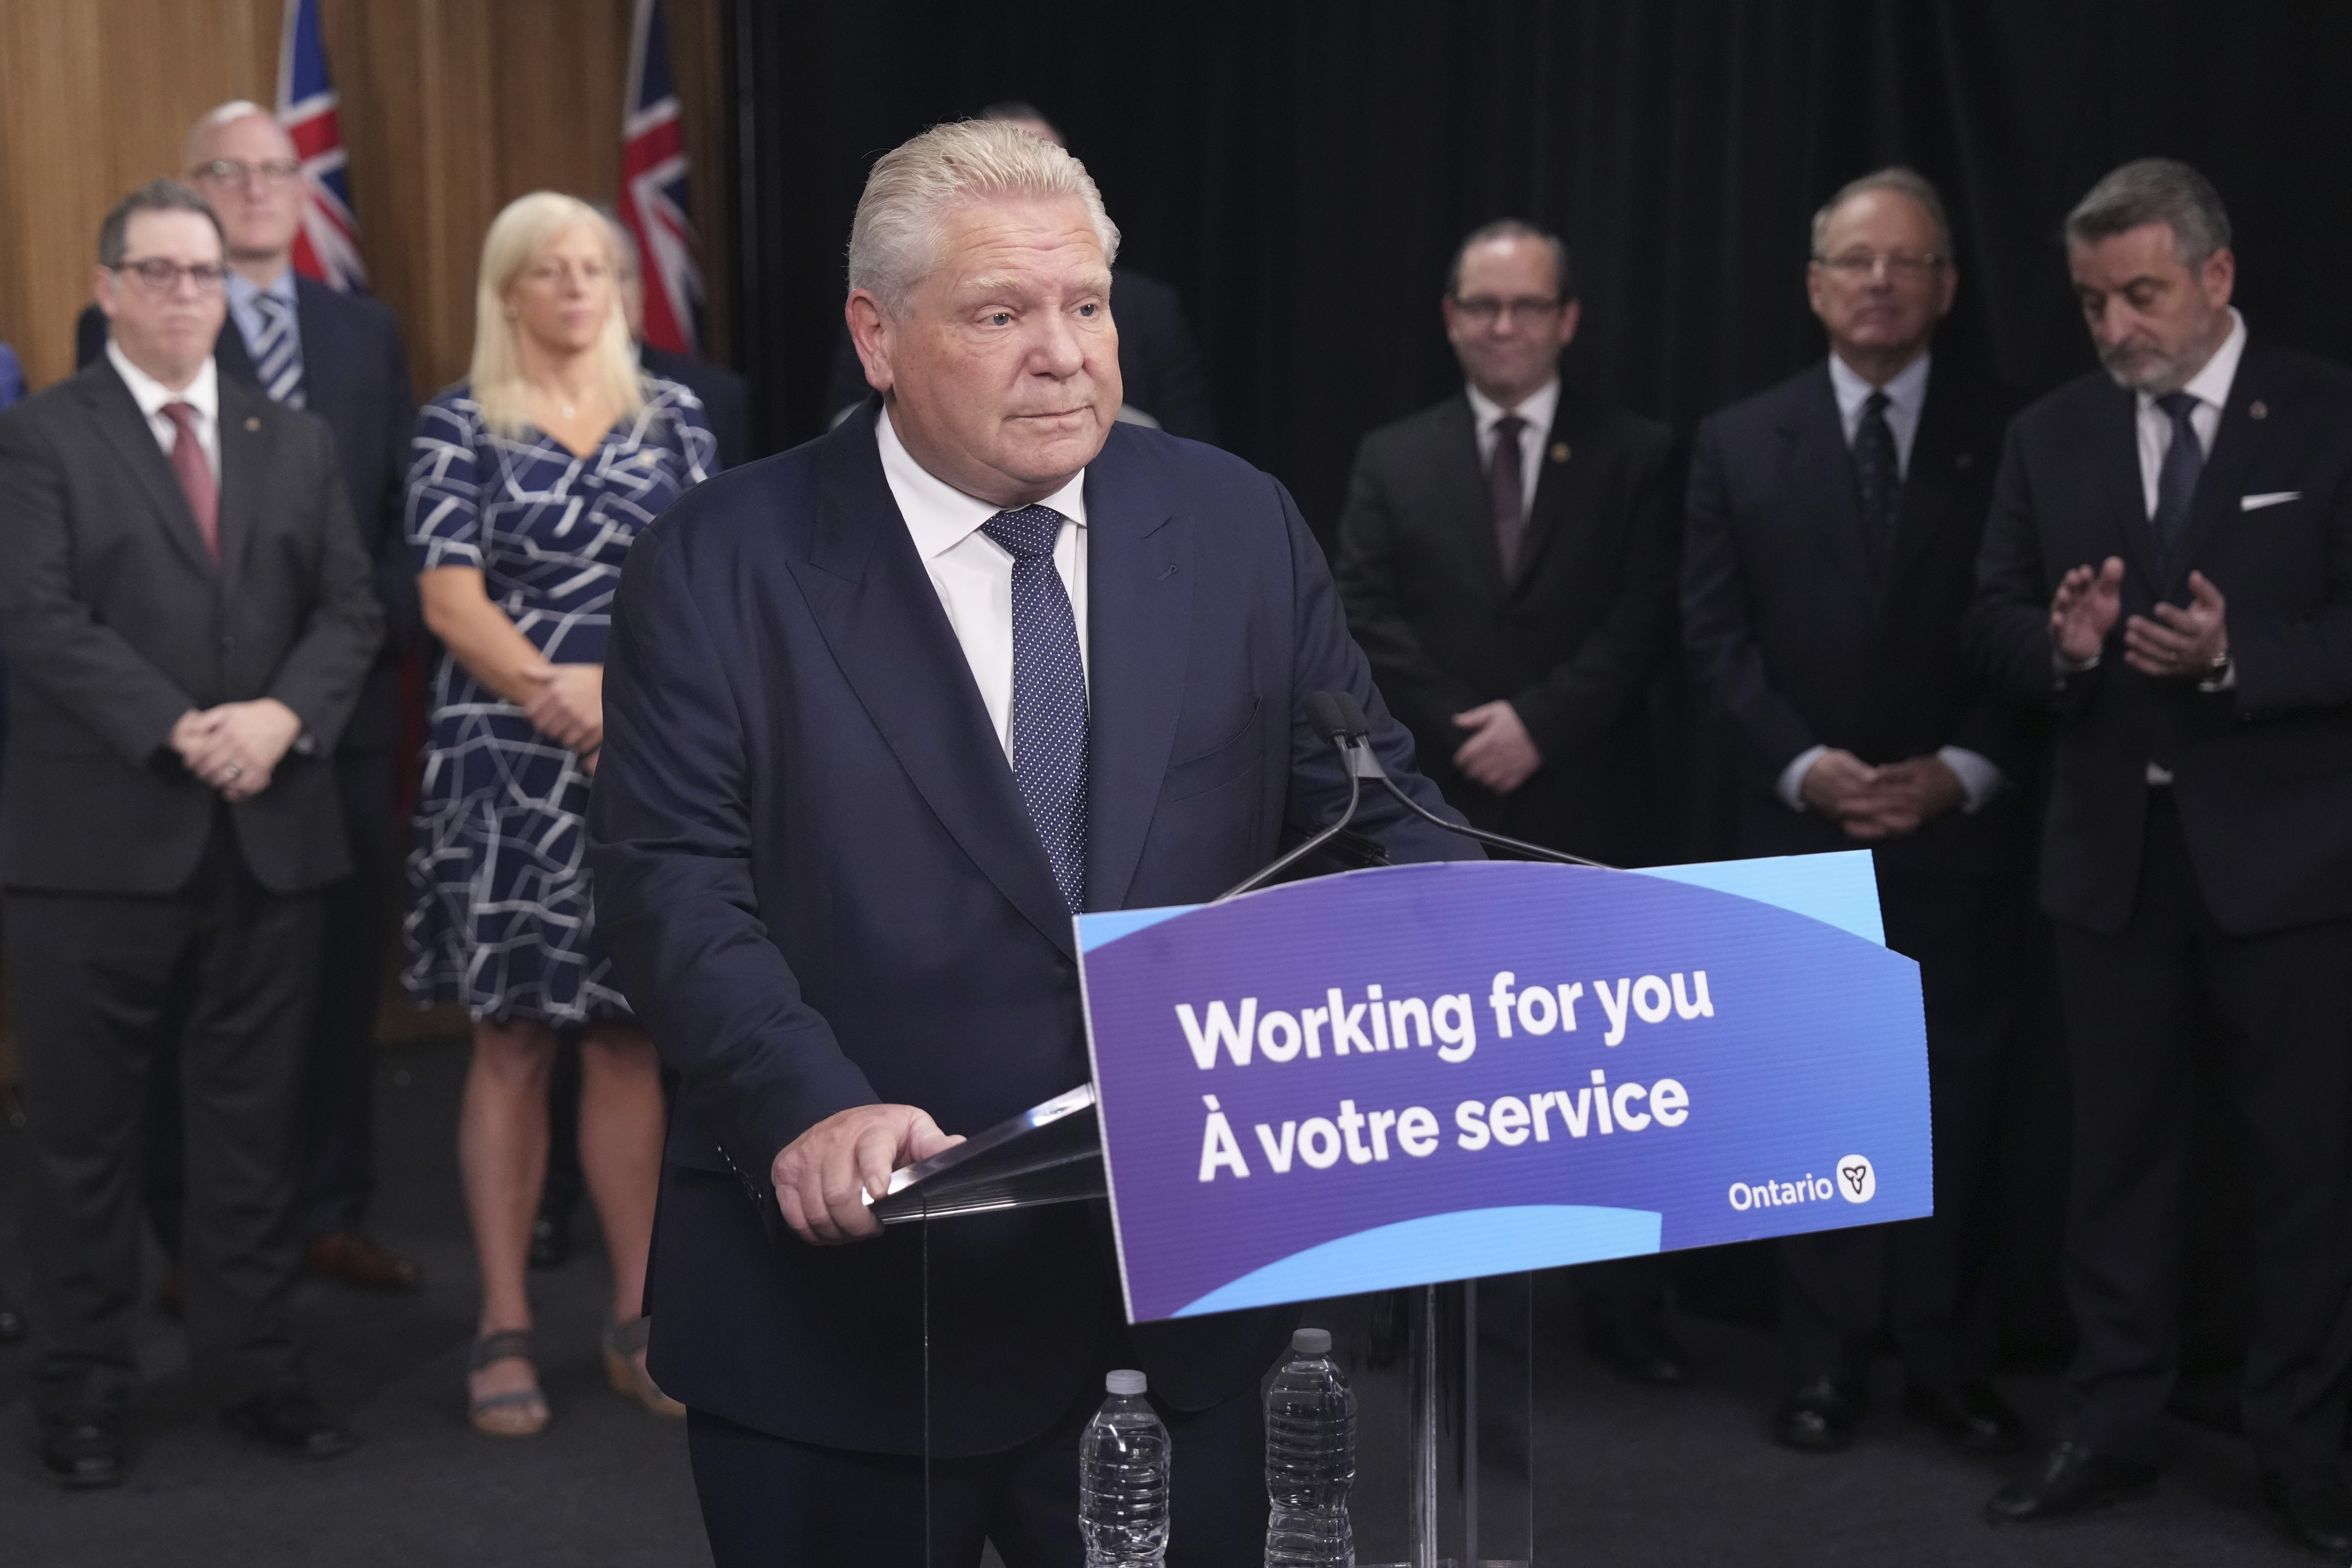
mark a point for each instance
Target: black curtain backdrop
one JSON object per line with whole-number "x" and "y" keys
{"x": 1301, "y": 172}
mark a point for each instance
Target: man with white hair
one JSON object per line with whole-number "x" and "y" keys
{"x": 338, "y": 355}
{"x": 881, "y": 715}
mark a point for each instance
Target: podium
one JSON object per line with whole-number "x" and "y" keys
{"x": 1634, "y": 1062}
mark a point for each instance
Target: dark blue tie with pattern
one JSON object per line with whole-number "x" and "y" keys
{"x": 2176, "y": 480}
{"x": 1049, "y": 696}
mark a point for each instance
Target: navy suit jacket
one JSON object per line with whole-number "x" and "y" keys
{"x": 355, "y": 379}
{"x": 1801, "y": 633}
{"x": 2261, "y": 771}
{"x": 814, "y": 869}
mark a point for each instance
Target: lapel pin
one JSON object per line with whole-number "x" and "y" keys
{"x": 2258, "y": 409}
{"x": 252, "y": 423}
{"x": 1559, "y": 451}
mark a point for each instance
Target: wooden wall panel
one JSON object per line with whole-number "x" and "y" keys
{"x": 450, "y": 109}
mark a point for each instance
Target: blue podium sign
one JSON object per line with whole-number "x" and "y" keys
{"x": 1423, "y": 1073}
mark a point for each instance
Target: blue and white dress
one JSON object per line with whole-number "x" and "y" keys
{"x": 501, "y": 917}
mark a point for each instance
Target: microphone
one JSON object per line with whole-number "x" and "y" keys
{"x": 1337, "y": 720}
{"x": 1353, "y": 737}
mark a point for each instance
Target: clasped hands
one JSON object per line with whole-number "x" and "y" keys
{"x": 567, "y": 704}
{"x": 236, "y": 746}
{"x": 823, "y": 1177}
{"x": 1499, "y": 754}
{"x": 2175, "y": 644}
{"x": 1888, "y": 802}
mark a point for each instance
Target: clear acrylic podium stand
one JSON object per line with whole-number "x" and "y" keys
{"x": 1443, "y": 1374}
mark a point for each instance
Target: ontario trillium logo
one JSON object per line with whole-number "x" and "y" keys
{"x": 1857, "y": 1182}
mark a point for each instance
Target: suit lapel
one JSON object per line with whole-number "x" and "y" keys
{"x": 127, "y": 431}
{"x": 231, "y": 357}
{"x": 878, "y": 611}
{"x": 1558, "y": 477}
{"x": 1928, "y": 482}
{"x": 243, "y": 459}
{"x": 1138, "y": 616}
{"x": 2223, "y": 481}
{"x": 1820, "y": 475}
{"x": 1462, "y": 481}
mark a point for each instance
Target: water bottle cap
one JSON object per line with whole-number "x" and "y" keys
{"x": 1126, "y": 1383}
{"x": 1312, "y": 1341}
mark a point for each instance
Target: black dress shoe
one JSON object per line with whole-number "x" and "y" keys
{"x": 2069, "y": 1480}
{"x": 13, "y": 1328}
{"x": 2315, "y": 1510}
{"x": 1971, "y": 1417}
{"x": 83, "y": 1450}
{"x": 290, "y": 1419}
{"x": 1818, "y": 1417}
{"x": 1641, "y": 1349}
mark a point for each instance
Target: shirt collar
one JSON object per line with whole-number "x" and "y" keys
{"x": 941, "y": 516}
{"x": 2212, "y": 384}
{"x": 203, "y": 393}
{"x": 1537, "y": 407}
{"x": 1906, "y": 390}
{"x": 242, "y": 290}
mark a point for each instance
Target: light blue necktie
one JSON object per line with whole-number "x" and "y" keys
{"x": 1049, "y": 696}
{"x": 278, "y": 352}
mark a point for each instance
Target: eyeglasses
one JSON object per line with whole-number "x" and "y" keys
{"x": 236, "y": 173}
{"x": 1853, "y": 266}
{"x": 161, "y": 277}
{"x": 1484, "y": 310}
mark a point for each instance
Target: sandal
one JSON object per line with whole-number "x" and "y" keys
{"x": 624, "y": 1343}
{"x": 518, "y": 1412}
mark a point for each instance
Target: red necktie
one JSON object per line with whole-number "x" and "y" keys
{"x": 1505, "y": 493}
{"x": 196, "y": 474}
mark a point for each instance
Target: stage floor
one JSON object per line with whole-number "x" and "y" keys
{"x": 1628, "y": 1476}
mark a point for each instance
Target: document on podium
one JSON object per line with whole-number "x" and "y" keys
{"x": 1050, "y": 1154}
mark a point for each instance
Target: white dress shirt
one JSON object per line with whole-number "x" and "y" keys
{"x": 1906, "y": 396}
{"x": 203, "y": 394}
{"x": 972, "y": 574}
{"x": 1537, "y": 408}
{"x": 2210, "y": 388}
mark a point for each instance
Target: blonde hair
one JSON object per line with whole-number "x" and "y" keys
{"x": 527, "y": 227}
{"x": 894, "y": 242}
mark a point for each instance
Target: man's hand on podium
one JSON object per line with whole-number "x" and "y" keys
{"x": 820, "y": 1175}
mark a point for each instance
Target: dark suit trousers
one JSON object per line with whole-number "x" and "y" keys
{"x": 770, "y": 1502}
{"x": 2280, "y": 1005}
{"x": 1930, "y": 1282}
{"x": 102, "y": 983}
{"x": 336, "y": 1151}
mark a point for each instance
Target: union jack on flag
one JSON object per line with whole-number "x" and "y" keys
{"x": 327, "y": 248}
{"x": 653, "y": 188}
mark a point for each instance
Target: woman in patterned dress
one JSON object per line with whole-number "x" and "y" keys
{"x": 526, "y": 485}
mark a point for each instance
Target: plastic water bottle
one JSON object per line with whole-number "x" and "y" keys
{"x": 1123, "y": 1479}
{"x": 1311, "y": 1459}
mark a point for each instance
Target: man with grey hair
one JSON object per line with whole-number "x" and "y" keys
{"x": 2168, "y": 569}
{"x": 1834, "y": 527}
{"x": 881, "y": 715}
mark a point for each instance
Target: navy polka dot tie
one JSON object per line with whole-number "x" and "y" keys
{"x": 1049, "y": 696}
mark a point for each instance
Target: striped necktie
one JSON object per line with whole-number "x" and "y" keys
{"x": 278, "y": 351}
{"x": 1049, "y": 696}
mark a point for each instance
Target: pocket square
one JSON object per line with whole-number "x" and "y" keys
{"x": 2268, "y": 498}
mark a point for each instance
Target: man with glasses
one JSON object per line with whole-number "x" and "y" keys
{"x": 1833, "y": 534}
{"x": 187, "y": 620}
{"x": 1508, "y": 560}
{"x": 338, "y": 355}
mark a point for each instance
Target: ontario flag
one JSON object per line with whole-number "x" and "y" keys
{"x": 653, "y": 188}
{"x": 327, "y": 248}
